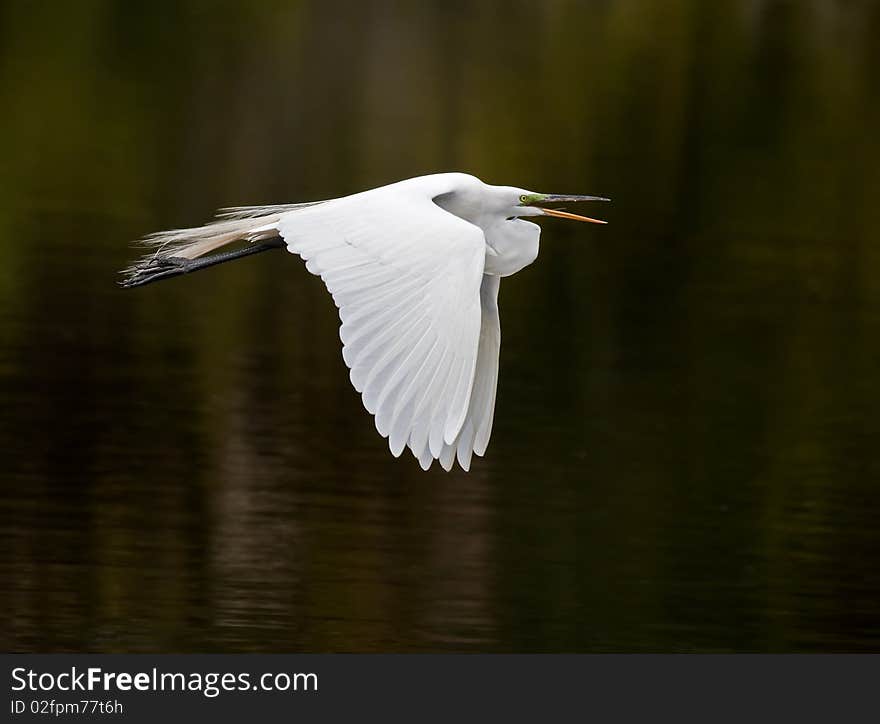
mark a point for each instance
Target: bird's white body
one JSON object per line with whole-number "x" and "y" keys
{"x": 511, "y": 243}
{"x": 418, "y": 310}
{"x": 414, "y": 268}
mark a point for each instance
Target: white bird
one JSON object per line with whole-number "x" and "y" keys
{"x": 414, "y": 268}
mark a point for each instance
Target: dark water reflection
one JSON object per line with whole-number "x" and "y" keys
{"x": 685, "y": 453}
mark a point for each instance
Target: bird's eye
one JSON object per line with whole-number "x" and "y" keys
{"x": 523, "y": 198}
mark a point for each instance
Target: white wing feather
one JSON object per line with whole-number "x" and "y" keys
{"x": 477, "y": 428}
{"x": 406, "y": 276}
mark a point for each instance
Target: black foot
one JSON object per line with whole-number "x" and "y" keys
{"x": 155, "y": 269}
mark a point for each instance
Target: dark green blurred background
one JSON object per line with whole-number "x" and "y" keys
{"x": 685, "y": 454}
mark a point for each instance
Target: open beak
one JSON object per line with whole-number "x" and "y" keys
{"x": 565, "y": 214}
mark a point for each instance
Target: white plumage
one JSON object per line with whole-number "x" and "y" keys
{"x": 414, "y": 268}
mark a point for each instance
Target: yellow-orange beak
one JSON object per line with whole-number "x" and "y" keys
{"x": 534, "y": 199}
{"x": 574, "y": 217}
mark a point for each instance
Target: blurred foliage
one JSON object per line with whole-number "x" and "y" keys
{"x": 689, "y": 413}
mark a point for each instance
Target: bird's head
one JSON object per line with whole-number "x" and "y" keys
{"x": 529, "y": 203}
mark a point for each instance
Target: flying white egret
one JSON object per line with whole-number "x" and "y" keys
{"x": 414, "y": 268}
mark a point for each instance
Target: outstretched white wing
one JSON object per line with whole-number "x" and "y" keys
{"x": 477, "y": 428}
{"x": 406, "y": 277}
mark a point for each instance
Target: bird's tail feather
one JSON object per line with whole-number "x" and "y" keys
{"x": 243, "y": 223}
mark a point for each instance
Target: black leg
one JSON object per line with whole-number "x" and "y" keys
{"x": 154, "y": 269}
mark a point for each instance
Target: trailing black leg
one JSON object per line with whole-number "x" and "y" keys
{"x": 156, "y": 268}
